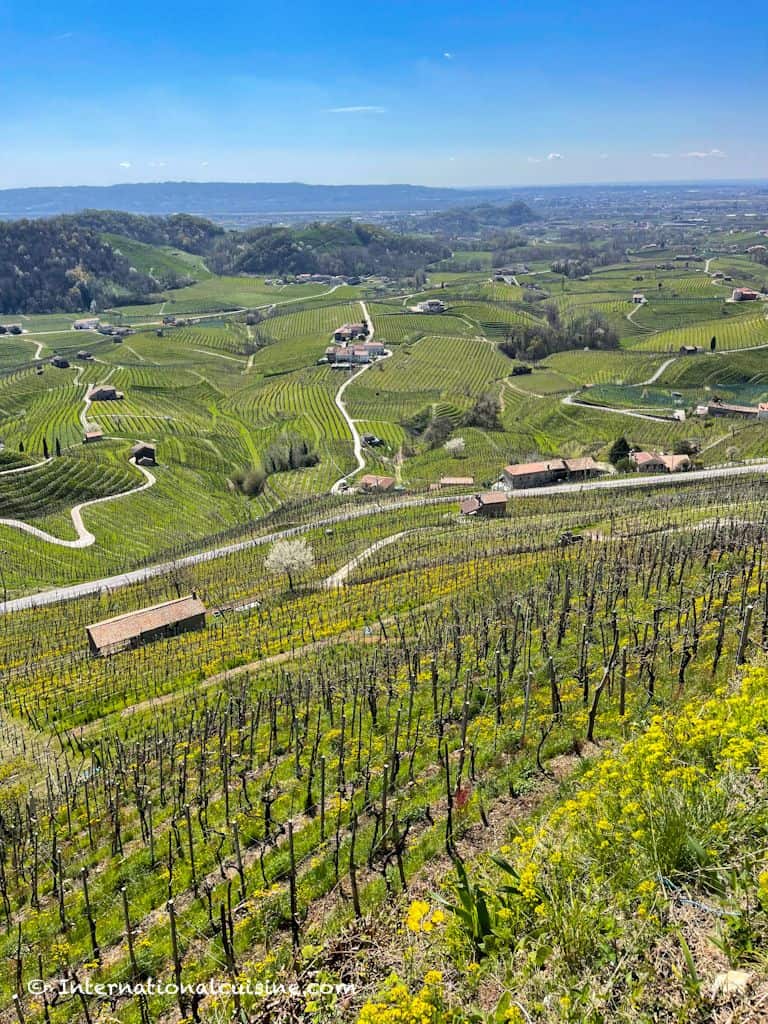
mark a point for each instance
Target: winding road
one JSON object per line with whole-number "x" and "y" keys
{"x": 108, "y": 583}
{"x": 339, "y": 402}
{"x": 84, "y": 537}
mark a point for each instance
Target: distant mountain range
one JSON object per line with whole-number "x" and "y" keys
{"x": 235, "y": 201}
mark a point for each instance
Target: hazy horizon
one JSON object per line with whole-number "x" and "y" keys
{"x": 470, "y": 186}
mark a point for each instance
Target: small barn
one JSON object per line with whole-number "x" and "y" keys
{"x": 144, "y": 454}
{"x": 134, "y": 628}
{"x": 60, "y": 362}
{"x": 491, "y": 505}
{"x": 92, "y": 435}
{"x": 105, "y": 393}
{"x": 456, "y": 481}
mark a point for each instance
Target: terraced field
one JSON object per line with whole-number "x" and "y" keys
{"x": 215, "y": 395}
{"x": 732, "y": 334}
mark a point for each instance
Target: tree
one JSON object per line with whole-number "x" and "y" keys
{"x": 619, "y": 450}
{"x": 455, "y": 447}
{"x": 438, "y": 431}
{"x": 45, "y": 449}
{"x": 58, "y": 448}
{"x": 485, "y": 412}
{"x": 290, "y": 557}
{"x": 685, "y": 447}
{"x": 713, "y": 344}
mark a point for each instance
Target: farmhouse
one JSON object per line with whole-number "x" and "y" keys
{"x": 60, "y": 362}
{"x": 456, "y": 481}
{"x": 689, "y": 350}
{"x": 654, "y": 462}
{"x": 431, "y": 306}
{"x": 144, "y": 454}
{"x": 82, "y": 354}
{"x": 92, "y": 435}
{"x": 88, "y": 324}
{"x": 534, "y": 474}
{"x": 638, "y": 298}
{"x": 744, "y": 295}
{"x": 676, "y": 463}
{"x": 351, "y": 332}
{"x": 371, "y": 482}
{"x": 582, "y": 468}
{"x": 492, "y": 505}
{"x": 167, "y": 619}
{"x": 104, "y": 393}
{"x": 360, "y": 354}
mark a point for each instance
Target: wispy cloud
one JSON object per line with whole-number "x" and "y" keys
{"x": 125, "y": 163}
{"x": 204, "y": 163}
{"x": 534, "y": 160}
{"x": 448, "y": 55}
{"x": 555, "y": 156}
{"x": 660, "y": 156}
{"x": 157, "y": 163}
{"x": 361, "y": 109}
{"x": 696, "y": 154}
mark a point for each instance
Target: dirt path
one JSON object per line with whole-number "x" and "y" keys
{"x": 340, "y": 577}
{"x": 657, "y": 373}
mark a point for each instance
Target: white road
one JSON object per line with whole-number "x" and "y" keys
{"x": 108, "y": 583}
{"x": 655, "y": 376}
{"x": 573, "y": 400}
{"x": 84, "y": 537}
{"x": 27, "y": 469}
{"x": 357, "y": 444}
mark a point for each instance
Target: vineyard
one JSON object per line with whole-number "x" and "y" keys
{"x": 314, "y": 763}
{"x": 446, "y": 769}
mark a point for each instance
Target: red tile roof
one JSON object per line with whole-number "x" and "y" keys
{"x": 527, "y": 468}
{"x": 133, "y": 625}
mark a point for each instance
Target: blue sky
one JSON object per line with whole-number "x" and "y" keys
{"x": 471, "y": 93}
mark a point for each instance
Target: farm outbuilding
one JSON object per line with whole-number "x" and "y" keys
{"x": 92, "y": 435}
{"x": 134, "y": 628}
{"x": 144, "y": 454}
{"x": 60, "y": 362}
{"x": 105, "y": 393}
{"x": 492, "y": 505}
{"x": 456, "y": 481}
